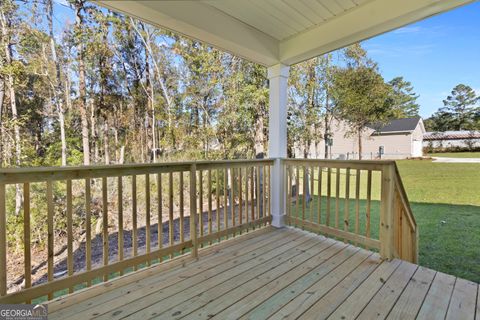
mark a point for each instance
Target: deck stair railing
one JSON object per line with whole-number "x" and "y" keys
{"x": 106, "y": 221}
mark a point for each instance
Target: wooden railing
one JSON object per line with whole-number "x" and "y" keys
{"x": 362, "y": 202}
{"x": 405, "y": 226}
{"x": 225, "y": 199}
{"x": 105, "y": 221}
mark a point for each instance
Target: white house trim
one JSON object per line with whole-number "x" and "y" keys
{"x": 272, "y": 32}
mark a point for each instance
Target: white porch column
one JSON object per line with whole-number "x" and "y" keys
{"x": 277, "y": 139}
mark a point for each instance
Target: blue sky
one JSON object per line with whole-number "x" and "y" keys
{"x": 434, "y": 54}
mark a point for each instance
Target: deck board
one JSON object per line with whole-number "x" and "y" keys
{"x": 409, "y": 303}
{"x": 277, "y": 274}
{"x": 462, "y": 303}
{"x": 436, "y": 302}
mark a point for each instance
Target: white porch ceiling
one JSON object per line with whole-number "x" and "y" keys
{"x": 281, "y": 31}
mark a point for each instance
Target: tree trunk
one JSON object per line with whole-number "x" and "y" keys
{"x": 94, "y": 132}
{"x": 106, "y": 142}
{"x": 13, "y": 106}
{"x": 82, "y": 89}
{"x": 58, "y": 90}
{"x": 326, "y": 134}
{"x": 360, "y": 144}
{"x": 259, "y": 138}
{"x": 150, "y": 94}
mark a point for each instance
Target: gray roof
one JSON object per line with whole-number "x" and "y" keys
{"x": 396, "y": 125}
{"x": 452, "y": 135}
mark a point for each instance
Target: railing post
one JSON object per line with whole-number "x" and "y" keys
{"x": 387, "y": 218}
{"x": 193, "y": 209}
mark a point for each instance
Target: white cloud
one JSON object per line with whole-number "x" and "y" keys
{"x": 408, "y": 29}
{"x": 394, "y": 50}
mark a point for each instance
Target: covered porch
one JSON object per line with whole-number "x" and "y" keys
{"x": 277, "y": 237}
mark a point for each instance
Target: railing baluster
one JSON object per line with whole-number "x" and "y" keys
{"x": 200, "y": 202}
{"x": 289, "y": 193}
{"x": 297, "y": 191}
{"x": 69, "y": 231}
{"x": 252, "y": 193}
{"x": 147, "y": 216}
{"x": 105, "y": 225}
{"x": 337, "y": 198}
{"x": 134, "y": 218}
{"x": 369, "y": 204}
{"x": 269, "y": 180}
{"x": 304, "y": 192}
{"x": 319, "y": 195}
{"x": 312, "y": 193}
{"x": 217, "y": 196}
{"x": 193, "y": 209}
{"x": 88, "y": 225}
{"x": 182, "y": 212}
{"x": 3, "y": 242}
{"x": 247, "y": 217}
{"x": 50, "y": 244}
{"x": 329, "y": 194}
{"x": 258, "y": 191}
{"x": 120, "y": 220}
{"x": 262, "y": 183}
{"x": 232, "y": 198}
{"x": 170, "y": 210}
{"x": 160, "y": 214}
{"x": 225, "y": 199}
{"x": 26, "y": 236}
{"x": 357, "y": 202}
{"x": 209, "y": 178}
{"x": 346, "y": 218}
{"x": 240, "y": 197}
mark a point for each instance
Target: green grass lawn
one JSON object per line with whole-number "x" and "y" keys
{"x": 456, "y": 155}
{"x": 445, "y": 199}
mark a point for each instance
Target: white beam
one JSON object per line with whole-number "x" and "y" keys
{"x": 277, "y": 139}
{"x": 368, "y": 20}
{"x": 203, "y": 22}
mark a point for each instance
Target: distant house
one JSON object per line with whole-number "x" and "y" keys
{"x": 396, "y": 139}
{"x": 451, "y": 139}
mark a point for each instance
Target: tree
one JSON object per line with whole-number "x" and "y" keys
{"x": 360, "y": 92}
{"x": 460, "y": 111}
{"x": 403, "y": 99}
{"x": 79, "y": 39}
{"x": 461, "y": 106}
{"x": 10, "y": 70}
{"x": 305, "y": 103}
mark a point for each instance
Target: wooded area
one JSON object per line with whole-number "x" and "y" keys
{"x": 106, "y": 88}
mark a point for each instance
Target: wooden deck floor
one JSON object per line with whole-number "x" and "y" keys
{"x": 278, "y": 274}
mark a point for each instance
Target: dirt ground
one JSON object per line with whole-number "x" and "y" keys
{"x": 39, "y": 257}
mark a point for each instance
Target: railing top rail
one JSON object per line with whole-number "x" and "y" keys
{"x": 376, "y": 165}
{"x": 37, "y": 174}
{"x": 382, "y": 162}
